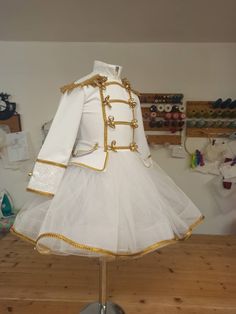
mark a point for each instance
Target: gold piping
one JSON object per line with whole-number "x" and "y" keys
{"x": 112, "y": 123}
{"x": 90, "y": 167}
{"x": 107, "y": 101}
{"x": 114, "y": 83}
{"x": 104, "y": 117}
{"x": 39, "y": 192}
{"x": 132, "y": 146}
{"x": 132, "y": 123}
{"x": 123, "y": 85}
{"x": 95, "y": 249}
{"x": 20, "y": 235}
{"x": 96, "y": 80}
{"x": 24, "y": 237}
{"x": 120, "y": 101}
{"x": 49, "y": 162}
{"x": 128, "y": 88}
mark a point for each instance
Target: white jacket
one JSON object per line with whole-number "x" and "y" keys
{"x": 97, "y": 115}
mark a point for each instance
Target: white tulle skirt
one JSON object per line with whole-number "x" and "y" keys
{"x": 126, "y": 211}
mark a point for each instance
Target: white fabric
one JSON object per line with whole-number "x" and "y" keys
{"x": 46, "y": 178}
{"x": 79, "y": 117}
{"x": 125, "y": 209}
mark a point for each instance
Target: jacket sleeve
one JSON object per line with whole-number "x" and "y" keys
{"x": 140, "y": 137}
{"x": 56, "y": 150}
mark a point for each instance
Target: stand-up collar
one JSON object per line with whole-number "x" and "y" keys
{"x": 110, "y": 70}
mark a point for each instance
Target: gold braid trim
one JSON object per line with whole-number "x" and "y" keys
{"x": 127, "y": 86}
{"x": 97, "y": 80}
{"x": 101, "y": 250}
{"x": 92, "y": 81}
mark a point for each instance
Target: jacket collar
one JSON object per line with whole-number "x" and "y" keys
{"x": 109, "y": 70}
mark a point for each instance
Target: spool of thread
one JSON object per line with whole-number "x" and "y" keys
{"x": 160, "y": 107}
{"x": 217, "y": 103}
{"x": 153, "y": 114}
{"x": 232, "y": 105}
{"x": 159, "y": 123}
{"x": 191, "y": 123}
{"x": 152, "y": 123}
{"x": 168, "y": 115}
{"x": 226, "y": 103}
{"x": 166, "y": 123}
{"x": 200, "y": 123}
{"x": 175, "y": 115}
{"x": 153, "y": 108}
{"x": 167, "y": 108}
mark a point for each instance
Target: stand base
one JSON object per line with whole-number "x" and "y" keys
{"x": 97, "y": 308}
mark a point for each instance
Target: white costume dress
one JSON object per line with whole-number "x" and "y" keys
{"x": 98, "y": 191}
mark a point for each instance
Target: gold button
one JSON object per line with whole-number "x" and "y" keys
{"x": 133, "y": 146}
{"x": 132, "y": 102}
{"x": 134, "y": 123}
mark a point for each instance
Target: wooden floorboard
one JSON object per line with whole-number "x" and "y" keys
{"x": 196, "y": 276}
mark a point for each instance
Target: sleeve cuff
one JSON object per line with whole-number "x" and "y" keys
{"x": 46, "y": 177}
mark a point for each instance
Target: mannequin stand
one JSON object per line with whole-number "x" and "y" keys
{"x": 103, "y": 306}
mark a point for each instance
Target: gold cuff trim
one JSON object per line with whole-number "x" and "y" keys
{"x": 39, "y": 192}
{"x": 49, "y": 162}
{"x": 90, "y": 167}
{"x": 104, "y": 251}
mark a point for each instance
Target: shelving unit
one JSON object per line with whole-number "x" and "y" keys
{"x": 161, "y": 130}
{"x": 203, "y": 120}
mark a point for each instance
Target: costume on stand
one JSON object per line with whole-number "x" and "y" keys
{"x": 98, "y": 190}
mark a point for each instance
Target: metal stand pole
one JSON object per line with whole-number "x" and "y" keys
{"x": 103, "y": 306}
{"x": 103, "y": 286}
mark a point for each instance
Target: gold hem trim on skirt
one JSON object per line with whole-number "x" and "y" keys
{"x": 104, "y": 251}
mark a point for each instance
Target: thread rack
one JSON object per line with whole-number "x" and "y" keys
{"x": 203, "y": 120}
{"x": 161, "y": 117}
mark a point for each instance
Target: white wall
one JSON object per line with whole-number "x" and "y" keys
{"x": 33, "y": 72}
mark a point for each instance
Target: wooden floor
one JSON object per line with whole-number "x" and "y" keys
{"x": 196, "y": 276}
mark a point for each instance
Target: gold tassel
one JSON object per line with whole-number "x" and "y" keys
{"x": 92, "y": 81}
{"x": 96, "y": 80}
